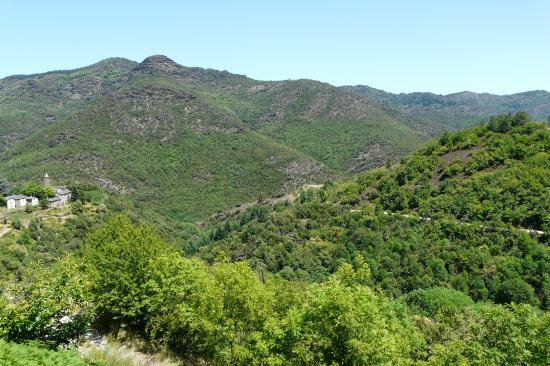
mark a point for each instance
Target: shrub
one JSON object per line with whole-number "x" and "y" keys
{"x": 34, "y": 354}
{"x": 516, "y": 290}
{"x": 437, "y": 299}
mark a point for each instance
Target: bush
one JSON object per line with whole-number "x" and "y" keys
{"x": 437, "y": 299}
{"x": 16, "y": 224}
{"x": 34, "y": 354}
{"x": 52, "y": 306}
{"x": 116, "y": 256}
{"x": 518, "y": 291}
{"x": 77, "y": 208}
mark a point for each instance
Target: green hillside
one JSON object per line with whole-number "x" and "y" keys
{"x": 459, "y": 110}
{"x": 456, "y": 213}
{"x": 186, "y": 142}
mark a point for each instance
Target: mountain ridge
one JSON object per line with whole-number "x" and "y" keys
{"x": 204, "y": 134}
{"x": 156, "y": 129}
{"x": 460, "y": 109}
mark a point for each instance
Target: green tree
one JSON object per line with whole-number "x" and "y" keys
{"x": 437, "y": 299}
{"x": 184, "y": 306}
{"x": 341, "y": 324}
{"x": 518, "y": 291}
{"x": 51, "y": 305}
{"x": 4, "y": 187}
{"x": 77, "y": 207}
{"x": 36, "y": 190}
{"x": 44, "y": 204}
{"x": 116, "y": 257}
{"x": 492, "y": 335}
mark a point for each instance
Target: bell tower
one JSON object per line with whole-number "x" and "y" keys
{"x": 46, "y": 180}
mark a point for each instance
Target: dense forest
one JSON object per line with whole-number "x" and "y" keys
{"x": 439, "y": 259}
{"x": 456, "y": 213}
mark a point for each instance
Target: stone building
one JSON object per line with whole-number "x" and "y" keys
{"x": 20, "y": 200}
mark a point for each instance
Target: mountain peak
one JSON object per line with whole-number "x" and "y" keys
{"x": 159, "y": 63}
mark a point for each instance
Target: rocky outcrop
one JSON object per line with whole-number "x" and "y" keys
{"x": 159, "y": 63}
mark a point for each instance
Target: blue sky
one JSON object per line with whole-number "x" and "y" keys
{"x": 400, "y": 46}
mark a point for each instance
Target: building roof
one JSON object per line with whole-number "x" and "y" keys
{"x": 63, "y": 191}
{"x": 17, "y": 197}
{"x": 54, "y": 199}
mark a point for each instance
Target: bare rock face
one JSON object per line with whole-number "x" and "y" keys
{"x": 375, "y": 155}
{"x": 159, "y": 63}
{"x": 61, "y": 139}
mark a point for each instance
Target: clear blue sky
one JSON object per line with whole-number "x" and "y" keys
{"x": 442, "y": 46}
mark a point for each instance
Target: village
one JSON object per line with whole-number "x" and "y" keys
{"x": 61, "y": 198}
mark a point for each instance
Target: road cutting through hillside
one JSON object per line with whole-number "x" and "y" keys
{"x": 407, "y": 216}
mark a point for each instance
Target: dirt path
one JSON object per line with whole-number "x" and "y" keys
{"x": 407, "y": 216}
{"x": 98, "y": 346}
{"x": 4, "y": 229}
{"x": 289, "y": 197}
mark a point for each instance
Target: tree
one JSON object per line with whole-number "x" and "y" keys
{"x": 117, "y": 256}
{"x": 44, "y": 204}
{"x": 4, "y": 187}
{"x": 77, "y": 207}
{"x": 342, "y": 324}
{"x": 491, "y": 335}
{"x": 36, "y": 190}
{"x": 437, "y": 299}
{"x": 184, "y": 306}
{"x": 520, "y": 118}
{"x": 52, "y": 306}
{"x": 518, "y": 291}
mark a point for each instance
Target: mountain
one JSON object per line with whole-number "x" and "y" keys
{"x": 459, "y": 110}
{"x": 185, "y": 141}
{"x": 468, "y": 211}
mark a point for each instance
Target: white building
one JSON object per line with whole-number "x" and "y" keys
{"x": 20, "y": 200}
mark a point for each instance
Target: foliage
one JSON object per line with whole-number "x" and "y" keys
{"x": 345, "y": 324}
{"x": 116, "y": 256}
{"x": 42, "y": 239}
{"x": 48, "y": 306}
{"x": 229, "y": 314}
{"x": 437, "y": 299}
{"x": 415, "y": 228}
{"x": 35, "y": 190}
{"x": 491, "y": 335}
{"x": 33, "y": 354}
{"x": 4, "y": 186}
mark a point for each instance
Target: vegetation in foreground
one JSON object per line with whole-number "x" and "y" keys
{"x": 330, "y": 279}
{"x": 127, "y": 278}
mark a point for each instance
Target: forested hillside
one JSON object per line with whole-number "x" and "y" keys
{"x": 185, "y": 142}
{"x": 460, "y": 110}
{"x": 429, "y": 261}
{"x": 455, "y": 214}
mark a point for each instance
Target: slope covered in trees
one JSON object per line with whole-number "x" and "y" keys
{"x": 460, "y": 110}
{"x": 126, "y": 278}
{"x": 185, "y": 142}
{"x": 453, "y": 214}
